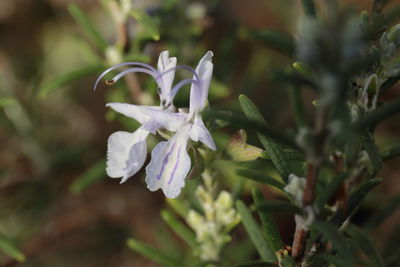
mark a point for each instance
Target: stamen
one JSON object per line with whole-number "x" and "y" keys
{"x": 184, "y": 67}
{"x": 154, "y": 74}
{"x": 179, "y": 85}
{"x": 144, "y": 65}
{"x": 182, "y": 83}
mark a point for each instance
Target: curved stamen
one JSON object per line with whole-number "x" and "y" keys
{"x": 153, "y": 74}
{"x": 179, "y": 85}
{"x": 122, "y": 65}
{"x": 184, "y": 67}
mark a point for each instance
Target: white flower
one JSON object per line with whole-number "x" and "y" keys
{"x": 170, "y": 161}
{"x": 126, "y": 152}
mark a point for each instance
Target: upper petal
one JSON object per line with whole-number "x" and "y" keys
{"x": 166, "y": 67}
{"x": 126, "y": 153}
{"x": 132, "y": 111}
{"x": 198, "y": 95}
{"x": 199, "y": 132}
{"x": 169, "y": 165}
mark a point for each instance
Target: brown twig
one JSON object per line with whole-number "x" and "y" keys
{"x": 312, "y": 172}
{"x": 123, "y": 42}
{"x": 313, "y": 166}
{"x": 298, "y": 242}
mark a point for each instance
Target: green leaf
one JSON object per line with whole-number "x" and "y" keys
{"x": 87, "y": 26}
{"x": 149, "y": 24}
{"x": 67, "y": 78}
{"x": 273, "y": 148}
{"x": 8, "y": 247}
{"x": 378, "y": 115}
{"x": 275, "y": 40}
{"x": 287, "y": 262}
{"x": 382, "y": 214}
{"x": 254, "y": 233}
{"x": 297, "y": 106}
{"x": 237, "y": 121}
{"x": 278, "y": 206}
{"x": 179, "y": 207}
{"x": 309, "y": 8}
{"x": 372, "y": 150}
{"x": 90, "y": 176}
{"x": 269, "y": 226}
{"x": 355, "y": 199}
{"x": 362, "y": 240}
{"x": 330, "y": 233}
{"x": 290, "y": 154}
{"x": 262, "y": 178}
{"x": 329, "y": 190}
{"x": 152, "y": 253}
{"x": 256, "y": 264}
{"x": 391, "y": 153}
{"x": 316, "y": 259}
{"x": 179, "y": 228}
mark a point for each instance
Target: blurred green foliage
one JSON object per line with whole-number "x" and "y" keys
{"x": 56, "y": 205}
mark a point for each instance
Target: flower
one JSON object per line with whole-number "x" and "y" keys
{"x": 170, "y": 161}
{"x": 126, "y": 152}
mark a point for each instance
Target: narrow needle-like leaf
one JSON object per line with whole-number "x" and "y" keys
{"x": 254, "y": 233}
{"x": 87, "y": 26}
{"x": 179, "y": 228}
{"x": 152, "y": 253}
{"x": 269, "y": 226}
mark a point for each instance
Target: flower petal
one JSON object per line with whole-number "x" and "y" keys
{"x": 169, "y": 165}
{"x": 198, "y": 96}
{"x": 200, "y": 133}
{"x": 151, "y": 126}
{"x": 132, "y": 111}
{"x": 166, "y": 67}
{"x": 126, "y": 153}
{"x": 168, "y": 120}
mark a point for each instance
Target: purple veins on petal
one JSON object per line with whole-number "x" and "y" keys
{"x": 165, "y": 161}
{"x": 175, "y": 167}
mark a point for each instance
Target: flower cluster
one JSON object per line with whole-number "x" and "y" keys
{"x": 218, "y": 219}
{"x": 170, "y": 162}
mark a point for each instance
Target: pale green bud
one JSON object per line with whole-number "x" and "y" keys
{"x": 238, "y": 150}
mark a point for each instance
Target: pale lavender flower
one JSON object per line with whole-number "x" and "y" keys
{"x": 170, "y": 162}
{"x": 126, "y": 152}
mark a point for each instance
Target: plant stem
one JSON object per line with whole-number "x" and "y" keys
{"x": 314, "y": 163}
{"x": 123, "y": 43}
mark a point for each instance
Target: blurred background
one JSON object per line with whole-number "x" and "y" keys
{"x": 56, "y": 203}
